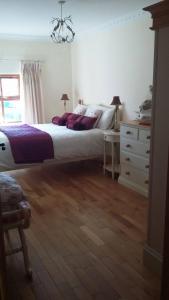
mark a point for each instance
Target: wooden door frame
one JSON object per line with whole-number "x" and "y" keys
{"x": 160, "y": 15}
{"x": 3, "y": 289}
{"x": 165, "y": 266}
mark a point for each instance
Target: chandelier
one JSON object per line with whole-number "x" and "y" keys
{"x": 62, "y": 32}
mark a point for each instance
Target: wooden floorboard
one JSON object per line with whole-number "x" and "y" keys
{"x": 86, "y": 237}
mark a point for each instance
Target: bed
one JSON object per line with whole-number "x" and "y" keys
{"x": 67, "y": 145}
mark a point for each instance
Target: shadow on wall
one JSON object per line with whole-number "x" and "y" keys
{"x": 124, "y": 115}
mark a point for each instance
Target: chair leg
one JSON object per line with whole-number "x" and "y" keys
{"x": 3, "y": 279}
{"x": 25, "y": 253}
{"x": 7, "y": 236}
{"x": 8, "y": 239}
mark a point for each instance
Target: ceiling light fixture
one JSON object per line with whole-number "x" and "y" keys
{"x": 62, "y": 32}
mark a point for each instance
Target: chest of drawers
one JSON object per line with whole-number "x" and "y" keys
{"x": 134, "y": 156}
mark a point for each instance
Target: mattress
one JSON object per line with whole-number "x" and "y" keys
{"x": 68, "y": 145}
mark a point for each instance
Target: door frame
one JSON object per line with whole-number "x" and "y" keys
{"x": 165, "y": 265}
{"x": 3, "y": 290}
{"x": 160, "y": 16}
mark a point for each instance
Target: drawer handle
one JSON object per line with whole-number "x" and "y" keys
{"x": 147, "y": 166}
{"x": 3, "y": 146}
{"x": 148, "y": 151}
{"x": 148, "y": 137}
{"x": 127, "y": 173}
{"x": 146, "y": 182}
{"x": 127, "y": 159}
{"x": 128, "y": 146}
{"x": 128, "y": 132}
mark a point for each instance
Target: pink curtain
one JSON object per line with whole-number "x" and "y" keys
{"x": 32, "y": 89}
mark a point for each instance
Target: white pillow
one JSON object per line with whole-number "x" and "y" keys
{"x": 106, "y": 120}
{"x": 93, "y": 112}
{"x": 80, "y": 109}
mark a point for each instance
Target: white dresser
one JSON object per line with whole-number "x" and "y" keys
{"x": 134, "y": 156}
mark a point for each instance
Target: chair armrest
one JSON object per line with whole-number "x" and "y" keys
{"x": 21, "y": 215}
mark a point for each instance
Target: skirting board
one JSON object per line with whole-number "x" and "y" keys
{"x": 133, "y": 186}
{"x": 152, "y": 259}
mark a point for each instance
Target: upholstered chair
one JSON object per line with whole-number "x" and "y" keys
{"x": 16, "y": 214}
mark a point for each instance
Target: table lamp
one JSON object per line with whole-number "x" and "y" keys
{"x": 116, "y": 101}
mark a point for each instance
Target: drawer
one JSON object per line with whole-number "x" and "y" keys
{"x": 144, "y": 135}
{"x": 135, "y": 147}
{"x": 129, "y": 132}
{"x": 134, "y": 175}
{"x": 134, "y": 161}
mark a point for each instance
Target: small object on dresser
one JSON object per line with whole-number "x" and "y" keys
{"x": 145, "y": 111}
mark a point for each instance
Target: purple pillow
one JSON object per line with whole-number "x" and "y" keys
{"x": 74, "y": 124}
{"x": 72, "y": 121}
{"x": 73, "y": 117}
{"x": 81, "y": 123}
{"x": 55, "y": 120}
{"x": 87, "y": 122}
{"x": 63, "y": 119}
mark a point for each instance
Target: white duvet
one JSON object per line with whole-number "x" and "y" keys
{"x": 68, "y": 145}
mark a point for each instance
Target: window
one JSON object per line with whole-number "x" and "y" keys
{"x": 10, "y": 105}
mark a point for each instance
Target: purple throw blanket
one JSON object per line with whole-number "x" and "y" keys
{"x": 29, "y": 144}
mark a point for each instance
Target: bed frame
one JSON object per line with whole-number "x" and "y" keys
{"x": 51, "y": 161}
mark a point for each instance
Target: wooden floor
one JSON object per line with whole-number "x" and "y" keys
{"x": 86, "y": 238}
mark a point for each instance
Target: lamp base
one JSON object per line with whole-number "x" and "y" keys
{"x": 65, "y": 106}
{"x": 116, "y": 123}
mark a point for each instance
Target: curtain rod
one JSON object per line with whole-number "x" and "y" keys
{"x": 19, "y": 60}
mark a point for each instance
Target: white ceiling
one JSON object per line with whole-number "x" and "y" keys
{"x": 32, "y": 17}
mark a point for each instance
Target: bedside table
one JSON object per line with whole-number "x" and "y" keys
{"x": 112, "y": 139}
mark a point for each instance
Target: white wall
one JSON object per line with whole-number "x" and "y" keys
{"x": 56, "y": 74}
{"x": 118, "y": 61}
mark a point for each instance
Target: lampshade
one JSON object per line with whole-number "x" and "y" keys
{"x": 64, "y": 97}
{"x": 116, "y": 101}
